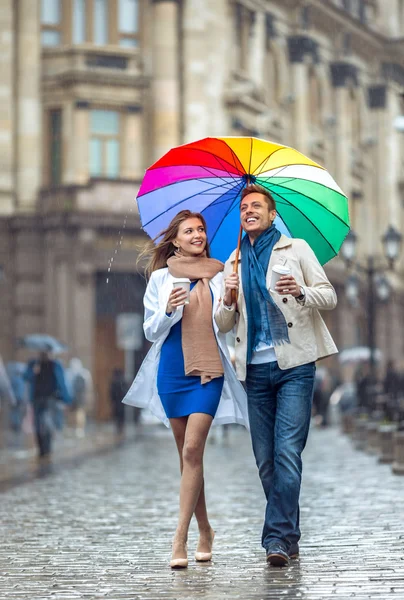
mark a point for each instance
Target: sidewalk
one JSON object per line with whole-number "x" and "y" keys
{"x": 19, "y": 462}
{"x": 104, "y": 529}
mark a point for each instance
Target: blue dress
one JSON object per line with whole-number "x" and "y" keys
{"x": 180, "y": 394}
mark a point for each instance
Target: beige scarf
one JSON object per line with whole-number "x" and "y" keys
{"x": 199, "y": 345}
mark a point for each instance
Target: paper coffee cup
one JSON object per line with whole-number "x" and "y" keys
{"x": 277, "y": 272}
{"x": 185, "y": 284}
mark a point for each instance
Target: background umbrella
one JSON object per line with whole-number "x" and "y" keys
{"x": 42, "y": 343}
{"x": 358, "y": 354}
{"x": 208, "y": 176}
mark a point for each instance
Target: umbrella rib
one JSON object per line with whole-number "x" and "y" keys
{"x": 180, "y": 202}
{"x": 176, "y": 183}
{"x": 234, "y": 155}
{"x": 251, "y": 151}
{"x": 222, "y": 178}
{"x": 210, "y": 154}
{"x": 288, "y": 165}
{"x": 240, "y": 185}
{"x": 311, "y": 222}
{"x": 313, "y": 200}
{"x": 326, "y": 187}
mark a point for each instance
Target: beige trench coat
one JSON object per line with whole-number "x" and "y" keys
{"x": 309, "y": 337}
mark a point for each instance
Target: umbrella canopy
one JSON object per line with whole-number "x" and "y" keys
{"x": 208, "y": 175}
{"x": 358, "y": 354}
{"x": 42, "y": 343}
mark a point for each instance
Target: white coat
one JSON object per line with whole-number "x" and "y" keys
{"x": 143, "y": 391}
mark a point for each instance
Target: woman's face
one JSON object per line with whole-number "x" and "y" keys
{"x": 191, "y": 238}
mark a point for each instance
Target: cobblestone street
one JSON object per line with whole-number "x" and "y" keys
{"x": 103, "y": 529}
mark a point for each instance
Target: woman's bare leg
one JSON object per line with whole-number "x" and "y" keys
{"x": 192, "y": 497}
{"x": 179, "y": 426}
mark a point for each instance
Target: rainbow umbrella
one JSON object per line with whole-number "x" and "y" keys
{"x": 208, "y": 175}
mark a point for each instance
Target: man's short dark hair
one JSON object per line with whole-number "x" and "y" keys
{"x": 257, "y": 189}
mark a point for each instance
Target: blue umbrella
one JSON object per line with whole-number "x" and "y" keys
{"x": 42, "y": 343}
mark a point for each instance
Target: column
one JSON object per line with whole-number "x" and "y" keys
{"x": 257, "y": 51}
{"x": 166, "y": 85}
{"x": 6, "y": 106}
{"x": 28, "y": 114}
{"x": 81, "y": 142}
{"x": 300, "y": 108}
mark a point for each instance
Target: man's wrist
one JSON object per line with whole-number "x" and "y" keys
{"x": 302, "y": 295}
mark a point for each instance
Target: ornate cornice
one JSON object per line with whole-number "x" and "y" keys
{"x": 393, "y": 72}
{"x": 377, "y": 96}
{"x": 344, "y": 74}
{"x": 301, "y": 46}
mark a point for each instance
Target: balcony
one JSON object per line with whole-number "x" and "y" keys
{"x": 106, "y": 65}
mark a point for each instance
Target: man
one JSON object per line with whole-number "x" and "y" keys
{"x": 279, "y": 336}
{"x": 46, "y": 381}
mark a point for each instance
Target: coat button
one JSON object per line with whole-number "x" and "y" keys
{"x": 238, "y": 340}
{"x": 284, "y": 300}
{"x": 290, "y": 325}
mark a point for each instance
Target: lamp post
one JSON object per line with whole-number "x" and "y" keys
{"x": 377, "y": 285}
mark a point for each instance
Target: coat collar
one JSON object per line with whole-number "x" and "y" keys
{"x": 283, "y": 242}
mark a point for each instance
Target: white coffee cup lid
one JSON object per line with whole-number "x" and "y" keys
{"x": 282, "y": 270}
{"x": 181, "y": 280}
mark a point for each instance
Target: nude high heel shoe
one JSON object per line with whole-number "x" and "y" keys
{"x": 204, "y": 556}
{"x": 179, "y": 563}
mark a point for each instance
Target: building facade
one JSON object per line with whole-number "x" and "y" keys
{"x": 93, "y": 91}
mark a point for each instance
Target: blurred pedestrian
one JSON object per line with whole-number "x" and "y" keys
{"x": 46, "y": 384}
{"x": 392, "y": 381}
{"x": 15, "y": 371}
{"x": 279, "y": 334}
{"x": 80, "y": 386}
{"x": 117, "y": 390}
{"x": 321, "y": 397}
{"x": 190, "y": 363}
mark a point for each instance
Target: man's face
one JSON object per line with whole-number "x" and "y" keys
{"x": 255, "y": 215}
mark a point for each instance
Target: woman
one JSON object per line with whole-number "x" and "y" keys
{"x": 187, "y": 377}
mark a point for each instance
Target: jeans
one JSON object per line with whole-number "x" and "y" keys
{"x": 279, "y": 406}
{"x": 43, "y": 424}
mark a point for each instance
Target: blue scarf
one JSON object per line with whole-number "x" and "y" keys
{"x": 266, "y": 322}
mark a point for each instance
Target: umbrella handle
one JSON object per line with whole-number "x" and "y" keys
{"x": 235, "y": 266}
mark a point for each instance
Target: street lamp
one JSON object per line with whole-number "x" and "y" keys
{"x": 349, "y": 246}
{"x": 378, "y": 287}
{"x": 392, "y": 244}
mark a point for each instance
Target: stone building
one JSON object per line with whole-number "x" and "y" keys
{"x": 93, "y": 91}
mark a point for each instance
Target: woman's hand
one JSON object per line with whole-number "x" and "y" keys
{"x": 177, "y": 298}
{"x": 232, "y": 282}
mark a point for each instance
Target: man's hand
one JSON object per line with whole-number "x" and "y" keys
{"x": 232, "y": 282}
{"x": 287, "y": 285}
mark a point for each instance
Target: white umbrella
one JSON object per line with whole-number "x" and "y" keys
{"x": 358, "y": 354}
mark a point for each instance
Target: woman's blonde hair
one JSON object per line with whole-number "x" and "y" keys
{"x": 158, "y": 254}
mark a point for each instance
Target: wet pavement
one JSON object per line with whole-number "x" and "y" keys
{"x": 103, "y": 529}
{"x": 19, "y": 461}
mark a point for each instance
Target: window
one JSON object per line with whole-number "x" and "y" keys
{"x": 79, "y": 21}
{"x": 128, "y": 23}
{"x": 51, "y": 19}
{"x": 104, "y": 144}
{"x": 55, "y": 146}
{"x": 100, "y": 22}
